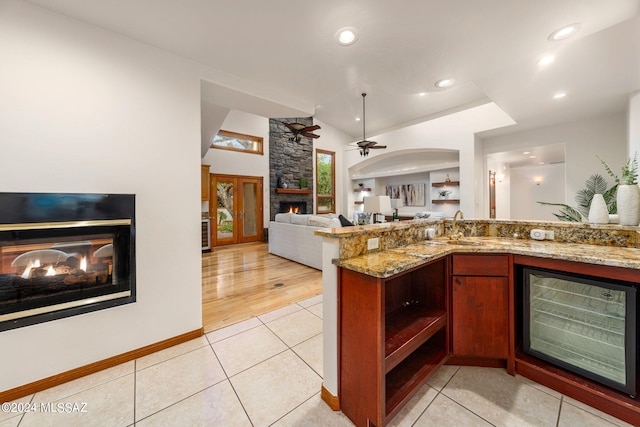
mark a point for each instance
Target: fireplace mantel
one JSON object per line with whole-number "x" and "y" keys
{"x": 292, "y": 191}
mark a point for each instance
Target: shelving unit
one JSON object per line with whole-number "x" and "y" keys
{"x": 361, "y": 190}
{"x": 446, "y": 184}
{"x": 383, "y": 363}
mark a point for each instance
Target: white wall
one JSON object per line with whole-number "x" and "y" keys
{"x": 634, "y": 126}
{"x": 525, "y": 193}
{"x": 334, "y": 140}
{"x": 86, "y": 110}
{"x": 237, "y": 163}
{"x": 453, "y": 132}
{"x": 605, "y": 136}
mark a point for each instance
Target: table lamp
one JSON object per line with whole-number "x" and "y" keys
{"x": 377, "y": 205}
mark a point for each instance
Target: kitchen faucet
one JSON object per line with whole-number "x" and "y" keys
{"x": 455, "y": 234}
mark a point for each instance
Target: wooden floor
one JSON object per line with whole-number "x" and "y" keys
{"x": 244, "y": 281}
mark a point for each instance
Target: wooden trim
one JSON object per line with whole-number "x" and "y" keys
{"x": 330, "y": 399}
{"x": 237, "y": 135}
{"x": 54, "y": 380}
{"x": 292, "y": 191}
{"x": 331, "y": 196}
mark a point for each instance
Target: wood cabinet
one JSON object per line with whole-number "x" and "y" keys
{"x": 205, "y": 187}
{"x": 480, "y": 305}
{"x": 393, "y": 336}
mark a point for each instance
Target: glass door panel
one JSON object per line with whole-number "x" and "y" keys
{"x": 249, "y": 212}
{"x": 225, "y": 229}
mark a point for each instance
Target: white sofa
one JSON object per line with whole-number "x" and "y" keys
{"x": 292, "y": 236}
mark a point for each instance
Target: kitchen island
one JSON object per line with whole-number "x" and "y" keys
{"x": 459, "y": 277}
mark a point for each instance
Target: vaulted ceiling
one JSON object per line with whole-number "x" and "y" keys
{"x": 286, "y": 49}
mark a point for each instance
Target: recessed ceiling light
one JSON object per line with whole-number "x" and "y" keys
{"x": 442, "y": 83}
{"x": 546, "y": 60}
{"x": 422, "y": 94}
{"x": 541, "y": 163}
{"x": 559, "y": 95}
{"x": 564, "y": 32}
{"x": 346, "y": 36}
{"x": 532, "y": 157}
{"x": 357, "y": 119}
{"x": 526, "y": 152}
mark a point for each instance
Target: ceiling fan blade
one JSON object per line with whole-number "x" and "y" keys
{"x": 378, "y": 146}
{"x": 310, "y": 135}
{"x": 311, "y": 128}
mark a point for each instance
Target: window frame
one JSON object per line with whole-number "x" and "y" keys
{"x": 332, "y": 196}
{"x": 242, "y": 136}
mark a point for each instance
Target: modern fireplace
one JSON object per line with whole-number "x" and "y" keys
{"x": 64, "y": 254}
{"x": 293, "y": 207}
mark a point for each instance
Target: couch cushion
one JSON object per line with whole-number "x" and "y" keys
{"x": 300, "y": 219}
{"x": 319, "y": 221}
{"x": 283, "y": 217}
{"x": 335, "y": 223}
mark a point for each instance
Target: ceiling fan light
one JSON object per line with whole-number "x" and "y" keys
{"x": 346, "y": 36}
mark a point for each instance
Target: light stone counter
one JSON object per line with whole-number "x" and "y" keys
{"x": 393, "y": 261}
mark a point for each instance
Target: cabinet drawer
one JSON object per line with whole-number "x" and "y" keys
{"x": 481, "y": 265}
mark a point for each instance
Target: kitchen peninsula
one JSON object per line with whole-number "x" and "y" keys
{"x": 402, "y": 310}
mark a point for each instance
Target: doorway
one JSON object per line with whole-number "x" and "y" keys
{"x": 236, "y": 209}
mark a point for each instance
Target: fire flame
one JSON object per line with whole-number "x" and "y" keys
{"x": 83, "y": 264}
{"x": 50, "y": 271}
{"x": 293, "y": 210}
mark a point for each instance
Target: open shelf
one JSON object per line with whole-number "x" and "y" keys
{"x": 445, "y": 184}
{"x": 408, "y": 328}
{"x": 292, "y": 191}
{"x": 358, "y": 190}
{"x": 358, "y": 203}
{"x": 403, "y": 381}
{"x": 445, "y": 201}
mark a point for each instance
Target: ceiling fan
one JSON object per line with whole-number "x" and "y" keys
{"x": 299, "y": 130}
{"x": 364, "y": 146}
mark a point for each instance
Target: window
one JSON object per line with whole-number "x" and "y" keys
{"x": 238, "y": 142}
{"x": 325, "y": 182}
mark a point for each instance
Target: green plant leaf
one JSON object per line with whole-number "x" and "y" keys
{"x": 567, "y": 213}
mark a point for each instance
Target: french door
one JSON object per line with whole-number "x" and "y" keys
{"x": 235, "y": 209}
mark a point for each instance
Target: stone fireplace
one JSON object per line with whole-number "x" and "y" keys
{"x": 289, "y": 161}
{"x": 64, "y": 254}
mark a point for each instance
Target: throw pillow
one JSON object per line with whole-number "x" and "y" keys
{"x": 345, "y": 222}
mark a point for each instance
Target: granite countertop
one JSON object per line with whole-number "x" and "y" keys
{"x": 393, "y": 261}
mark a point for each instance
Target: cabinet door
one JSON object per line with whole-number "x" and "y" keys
{"x": 204, "y": 182}
{"x": 480, "y": 316}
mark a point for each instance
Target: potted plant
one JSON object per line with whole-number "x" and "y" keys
{"x": 628, "y": 194}
{"x": 304, "y": 182}
{"x": 444, "y": 193}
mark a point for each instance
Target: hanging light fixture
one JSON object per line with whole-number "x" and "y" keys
{"x": 364, "y": 146}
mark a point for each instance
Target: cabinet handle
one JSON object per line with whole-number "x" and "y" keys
{"x": 458, "y": 282}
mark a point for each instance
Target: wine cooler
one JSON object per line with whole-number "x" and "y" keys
{"x": 582, "y": 324}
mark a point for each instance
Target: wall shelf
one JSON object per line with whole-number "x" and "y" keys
{"x": 358, "y": 190}
{"x": 292, "y": 191}
{"x": 358, "y": 202}
{"x": 445, "y": 201}
{"x": 444, "y": 184}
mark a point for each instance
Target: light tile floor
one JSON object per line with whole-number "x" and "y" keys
{"x": 267, "y": 371}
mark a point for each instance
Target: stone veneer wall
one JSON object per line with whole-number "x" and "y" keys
{"x": 290, "y": 161}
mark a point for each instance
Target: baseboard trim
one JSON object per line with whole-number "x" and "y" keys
{"x": 330, "y": 399}
{"x": 54, "y": 380}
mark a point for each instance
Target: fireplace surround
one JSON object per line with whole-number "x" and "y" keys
{"x": 64, "y": 254}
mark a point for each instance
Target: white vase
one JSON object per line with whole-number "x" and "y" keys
{"x": 628, "y": 200}
{"x": 598, "y": 212}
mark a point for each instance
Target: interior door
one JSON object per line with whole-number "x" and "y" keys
{"x": 236, "y": 209}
